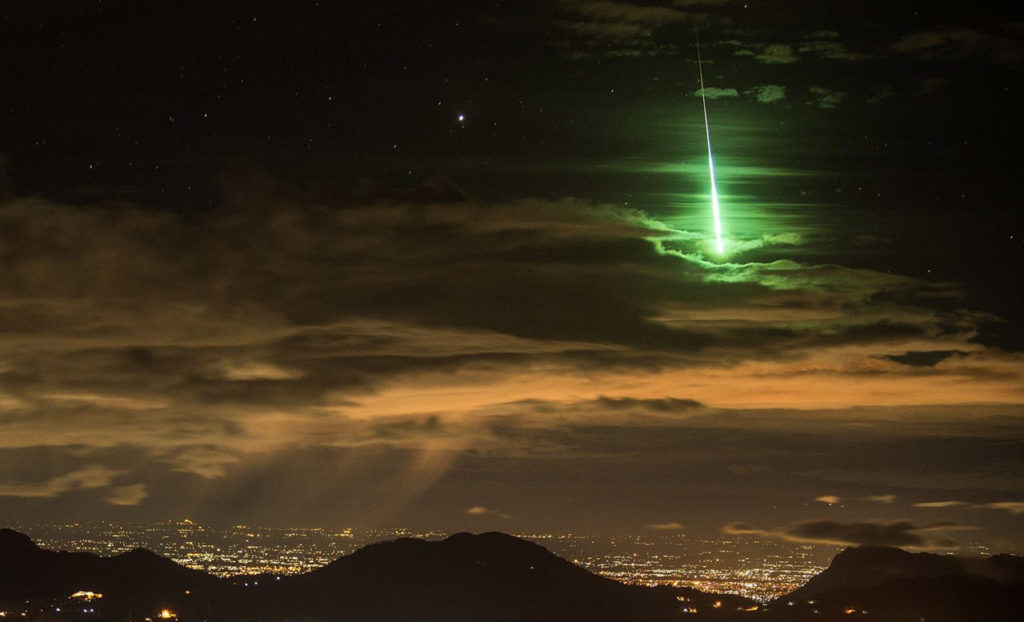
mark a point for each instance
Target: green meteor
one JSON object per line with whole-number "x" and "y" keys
{"x": 715, "y": 210}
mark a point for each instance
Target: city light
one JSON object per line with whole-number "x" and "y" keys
{"x": 757, "y": 569}
{"x": 86, "y": 595}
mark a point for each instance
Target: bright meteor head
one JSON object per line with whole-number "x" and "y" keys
{"x": 715, "y": 209}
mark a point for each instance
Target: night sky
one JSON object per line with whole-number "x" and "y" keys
{"x": 450, "y": 265}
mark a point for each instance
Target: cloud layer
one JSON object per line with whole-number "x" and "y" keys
{"x": 170, "y": 362}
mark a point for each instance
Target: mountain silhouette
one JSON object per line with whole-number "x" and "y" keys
{"x": 489, "y": 576}
{"x": 493, "y": 577}
{"x": 868, "y": 566}
{"x": 882, "y": 583}
{"x": 464, "y": 577}
{"x": 137, "y": 580}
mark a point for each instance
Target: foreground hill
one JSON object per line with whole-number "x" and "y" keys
{"x": 138, "y": 580}
{"x": 870, "y": 566}
{"x": 464, "y": 577}
{"x": 881, "y": 583}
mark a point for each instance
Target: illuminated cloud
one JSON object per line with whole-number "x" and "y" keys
{"x": 829, "y": 499}
{"x": 711, "y": 92}
{"x": 132, "y": 494}
{"x": 673, "y": 526}
{"x": 939, "y": 504}
{"x": 92, "y": 476}
{"x": 767, "y": 93}
{"x": 1013, "y": 507}
{"x": 254, "y": 370}
{"x": 118, "y": 402}
{"x": 881, "y": 498}
{"x": 479, "y": 510}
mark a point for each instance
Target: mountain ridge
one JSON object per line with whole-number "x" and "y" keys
{"x": 462, "y": 577}
{"x": 498, "y": 577}
{"x": 869, "y": 566}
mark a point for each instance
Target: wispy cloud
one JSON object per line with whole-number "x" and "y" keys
{"x": 939, "y": 504}
{"x": 1013, "y": 507}
{"x": 881, "y": 498}
{"x": 672, "y": 526}
{"x": 92, "y": 476}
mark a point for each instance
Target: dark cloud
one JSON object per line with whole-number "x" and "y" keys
{"x": 668, "y": 405}
{"x": 777, "y": 54}
{"x": 826, "y": 97}
{"x": 866, "y": 533}
{"x": 602, "y": 28}
{"x": 964, "y": 43}
{"x": 826, "y": 44}
{"x": 609, "y": 11}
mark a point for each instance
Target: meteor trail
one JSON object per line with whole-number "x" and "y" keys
{"x": 715, "y": 211}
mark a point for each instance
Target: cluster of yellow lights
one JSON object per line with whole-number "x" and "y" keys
{"x": 166, "y": 614}
{"x": 86, "y": 595}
